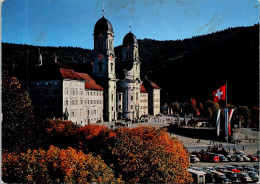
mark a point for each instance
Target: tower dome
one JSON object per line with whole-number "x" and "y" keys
{"x": 130, "y": 39}
{"x": 103, "y": 25}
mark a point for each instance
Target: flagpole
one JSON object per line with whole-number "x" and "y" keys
{"x": 226, "y": 123}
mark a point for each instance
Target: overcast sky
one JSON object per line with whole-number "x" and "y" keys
{"x": 71, "y": 22}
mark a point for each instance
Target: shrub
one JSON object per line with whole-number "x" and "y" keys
{"x": 55, "y": 166}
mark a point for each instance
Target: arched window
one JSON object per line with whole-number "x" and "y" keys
{"x": 128, "y": 54}
{"x": 100, "y": 67}
{"x": 111, "y": 67}
{"x": 100, "y": 45}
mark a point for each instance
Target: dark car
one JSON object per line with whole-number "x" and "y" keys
{"x": 252, "y": 158}
{"x": 238, "y": 158}
{"x": 253, "y": 175}
{"x": 248, "y": 167}
{"x": 222, "y": 158}
{"x": 231, "y": 176}
{"x": 244, "y": 178}
{"x": 231, "y": 158}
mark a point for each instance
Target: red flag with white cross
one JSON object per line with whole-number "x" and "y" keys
{"x": 220, "y": 94}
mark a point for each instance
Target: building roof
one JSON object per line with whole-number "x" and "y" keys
{"x": 130, "y": 39}
{"x": 70, "y": 74}
{"x": 90, "y": 83}
{"x": 150, "y": 85}
{"x": 154, "y": 85}
{"x": 143, "y": 90}
{"x": 103, "y": 25}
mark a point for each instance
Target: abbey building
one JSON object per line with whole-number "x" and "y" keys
{"x": 100, "y": 96}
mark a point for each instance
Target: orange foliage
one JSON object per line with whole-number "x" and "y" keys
{"x": 93, "y": 138}
{"x": 55, "y": 166}
{"x": 147, "y": 154}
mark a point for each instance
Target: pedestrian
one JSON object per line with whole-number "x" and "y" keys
{"x": 243, "y": 148}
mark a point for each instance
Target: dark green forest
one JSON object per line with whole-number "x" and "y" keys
{"x": 193, "y": 67}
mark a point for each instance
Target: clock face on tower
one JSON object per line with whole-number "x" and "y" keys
{"x": 100, "y": 56}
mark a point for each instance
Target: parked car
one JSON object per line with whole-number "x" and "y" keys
{"x": 238, "y": 158}
{"x": 247, "y": 167}
{"x": 209, "y": 169}
{"x": 245, "y": 158}
{"x": 196, "y": 168}
{"x": 194, "y": 159}
{"x": 252, "y": 158}
{"x": 211, "y": 157}
{"x": 219, "y": 177}
{"x": 231, "y": 158}
{"x": 244, "y": 178}
{"x": 231, "y": 176}
{"x": 222, "y": 158}
{"x": 253, "y": 175}
{"x": 232, "y": 168}
{"x": 238, "y": 167}
{"x": 220, "y": 168}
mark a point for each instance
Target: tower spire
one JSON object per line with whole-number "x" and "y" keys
{"x": 103, "y": 10}
{"x": 130, "y": 26}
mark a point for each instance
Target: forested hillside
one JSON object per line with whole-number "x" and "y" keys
{"x": 187, "y": 68}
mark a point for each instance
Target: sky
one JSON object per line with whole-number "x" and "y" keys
{"x": 71, "y": 22}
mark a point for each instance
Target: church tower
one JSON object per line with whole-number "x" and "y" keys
{"x": 104, "y": 65}
{"x": 130, "y": 85}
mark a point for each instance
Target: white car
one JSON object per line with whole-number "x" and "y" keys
{"x": 194, "y": 159}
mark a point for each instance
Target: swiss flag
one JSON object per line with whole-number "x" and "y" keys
{"x": 220, "y": 94}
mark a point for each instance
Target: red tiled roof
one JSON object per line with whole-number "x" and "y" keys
{"x": 90, "y": 83}
{"x": 70, "y": 74}
{"x": 154, "y": 85}
{"x": 143, "y": 90}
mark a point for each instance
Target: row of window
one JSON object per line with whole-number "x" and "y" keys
{"x": 86, "y": 102}
{"x": 145, "y": 100}
{"x": 75, "y": 92}
{"x": 45, "y": 83}
{"x": 86, "y": 112}
{"x": 46, "y": 92}
{"x": 45, "y": 102}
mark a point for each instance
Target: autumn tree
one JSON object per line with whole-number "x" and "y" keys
{"x": 175, "y": 107}
{"x": 61, "y": 133}
{"x": 19, "y": 128}
{"x": 243, "y": 114}
{"x": 214, "y": 106}
{"x": 255, "y": 111}
{"x": 55, "y": 166}
{"x": 149, "y": 155}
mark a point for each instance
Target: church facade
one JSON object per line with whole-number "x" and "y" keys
{"x": 122, "y": 97}
{"x": 100, "y": 96}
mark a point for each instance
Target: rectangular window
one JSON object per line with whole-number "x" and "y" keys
{"x": 55, "y": 91}
{"x": 37, "y": 83}
{"x": 112, "y": 97}
{"x": 119, "y": 97}
{"x": 136, "y": 95}
{"x": 132, "y": 97}
{"x": 46, "y": 91}
{"x": 131, "y": 107}
{"x": 55, "y": 83}
{"x": 46, "y": 83}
